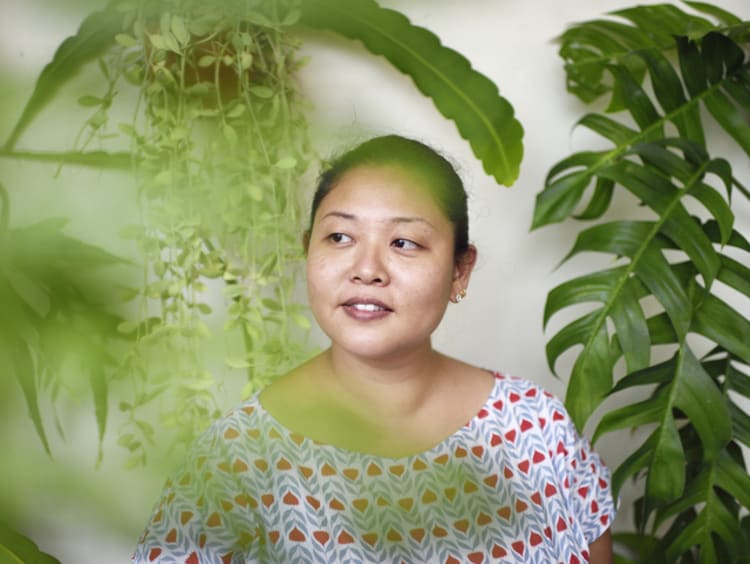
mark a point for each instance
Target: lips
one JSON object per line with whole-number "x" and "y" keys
{"x": 366, "y": 308}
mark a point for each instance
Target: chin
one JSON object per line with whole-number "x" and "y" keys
{"x": 377, "y": 350}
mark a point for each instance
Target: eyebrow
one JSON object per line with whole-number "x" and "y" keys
{"x": 396, "y": 219}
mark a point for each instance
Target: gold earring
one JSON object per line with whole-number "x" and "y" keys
{"x": 460, "y": 296}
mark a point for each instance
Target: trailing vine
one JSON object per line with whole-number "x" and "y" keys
{"x": 218, "y": 143}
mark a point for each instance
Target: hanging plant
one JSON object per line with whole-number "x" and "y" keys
{"x": 691, "y": 468}
{"x": 219, "y": 145}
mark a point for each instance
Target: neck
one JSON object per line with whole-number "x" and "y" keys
{"x": 390, "y": 389}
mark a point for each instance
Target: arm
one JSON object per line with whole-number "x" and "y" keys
{"x": 600, "y": 550}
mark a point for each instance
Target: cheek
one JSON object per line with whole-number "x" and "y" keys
{"x": 430, "y": 286}
{"x": 321, "y": 278}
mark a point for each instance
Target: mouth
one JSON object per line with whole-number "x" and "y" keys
{"x": 366, "y": 305}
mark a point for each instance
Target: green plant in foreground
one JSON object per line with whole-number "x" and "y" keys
{"x": 696, "y": 484}
{"x": 217, "y": 144}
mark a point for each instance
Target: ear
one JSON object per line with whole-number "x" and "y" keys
{"x": 462, "y": 271}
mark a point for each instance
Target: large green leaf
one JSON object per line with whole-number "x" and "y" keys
{"x": 713, "y": 72}
{"x": 686, "y": 386}
{"x": 589, "y": 47}
{"x": 716, "y": 518}
{"x": 94, "y": 35}
{"x": 16, "y": 548}
{"x": 721, "y": 323}
{"x": 459, "y": 92}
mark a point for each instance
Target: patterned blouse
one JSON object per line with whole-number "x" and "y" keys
{"x": 516, "y": 484}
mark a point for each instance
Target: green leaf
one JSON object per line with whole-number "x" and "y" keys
{"x": 637, "y": 101}
{"x": 733, "y": 478}
{"x": 630, "y": 325}
{"x": 719, "y": 13}
{"x": 635, "y": 239}
{"x": 15, "y": 354}
{"x": 95, "y": 159}
{"x": 126, "y": 40}
{"x": 664, "y": 198}
{"x": 89, "y": 101}
{"x": 608, "y": 128}
{"x": 459, "y": 92}
{"x": 633, "y": 415}
{"x": 719, "y": 322}
{"x": 591, "y": 378}
{"x": 599, "y": 202}
{"x": 663, "y": 19}
{"x": 16, "y": 548}
{"x": 731, "y": 118}
{"x": 559, "y": 198}
{"x": 666, "y": 470}
{"x": 564, "y": 187}
{"x": 99, "y": 389}
{"x": 735, "y": 275}
{"x": 700, "y": 399}
{"x": 669, "y": 93}
{"x": 94, "y": 35}
{"x": 261, "y": 91}
{"x": 206, "y": 61}
{"x": 596, "y": 287}
{"x": 179, "y": 30}
{"x": 31, "y": 292}
{"x": 633, "y": 464}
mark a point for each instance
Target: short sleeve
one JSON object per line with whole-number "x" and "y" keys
{"x": 202, "y": 515}
{"x": 587, "y": 477}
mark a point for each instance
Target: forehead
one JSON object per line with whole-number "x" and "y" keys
{"x": 389, "y": 189}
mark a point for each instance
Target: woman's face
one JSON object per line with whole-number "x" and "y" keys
{"x": 380, "y": 264}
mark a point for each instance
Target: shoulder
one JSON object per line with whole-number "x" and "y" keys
{"x": 520, "y": 393}
{"x": 518, "y": 403}
{"x": 237, "y": 427}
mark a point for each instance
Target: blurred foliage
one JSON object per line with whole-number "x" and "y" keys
{"x": 54, "y": 313}
{"x": 15, "y": 548}
{"x": 215, "y": 139}
{"x": 671, "y": 71}
{"x": 217, "y": 144}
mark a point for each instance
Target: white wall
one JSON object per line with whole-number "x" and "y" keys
{"x": 356, "y": 94}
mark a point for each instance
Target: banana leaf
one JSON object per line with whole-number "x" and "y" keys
{"x": 460, "y": 93}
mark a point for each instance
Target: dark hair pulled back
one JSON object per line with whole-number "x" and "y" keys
{"x": 438, "y": 175}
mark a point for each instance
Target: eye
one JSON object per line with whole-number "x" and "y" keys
{"x": 339, "y": 238}
{"x": 405, "y": 244}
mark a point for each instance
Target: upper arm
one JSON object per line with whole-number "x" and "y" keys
{"x": 600, "y": 551}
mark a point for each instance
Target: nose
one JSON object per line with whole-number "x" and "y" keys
{"x": 369, "y": 266}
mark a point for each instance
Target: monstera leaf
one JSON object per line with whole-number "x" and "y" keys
{"x": 671, "y": 261}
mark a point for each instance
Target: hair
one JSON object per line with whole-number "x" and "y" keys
{"x": 437, "y": 173}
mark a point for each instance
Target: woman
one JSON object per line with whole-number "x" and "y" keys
{"x": 381, "y": 449}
